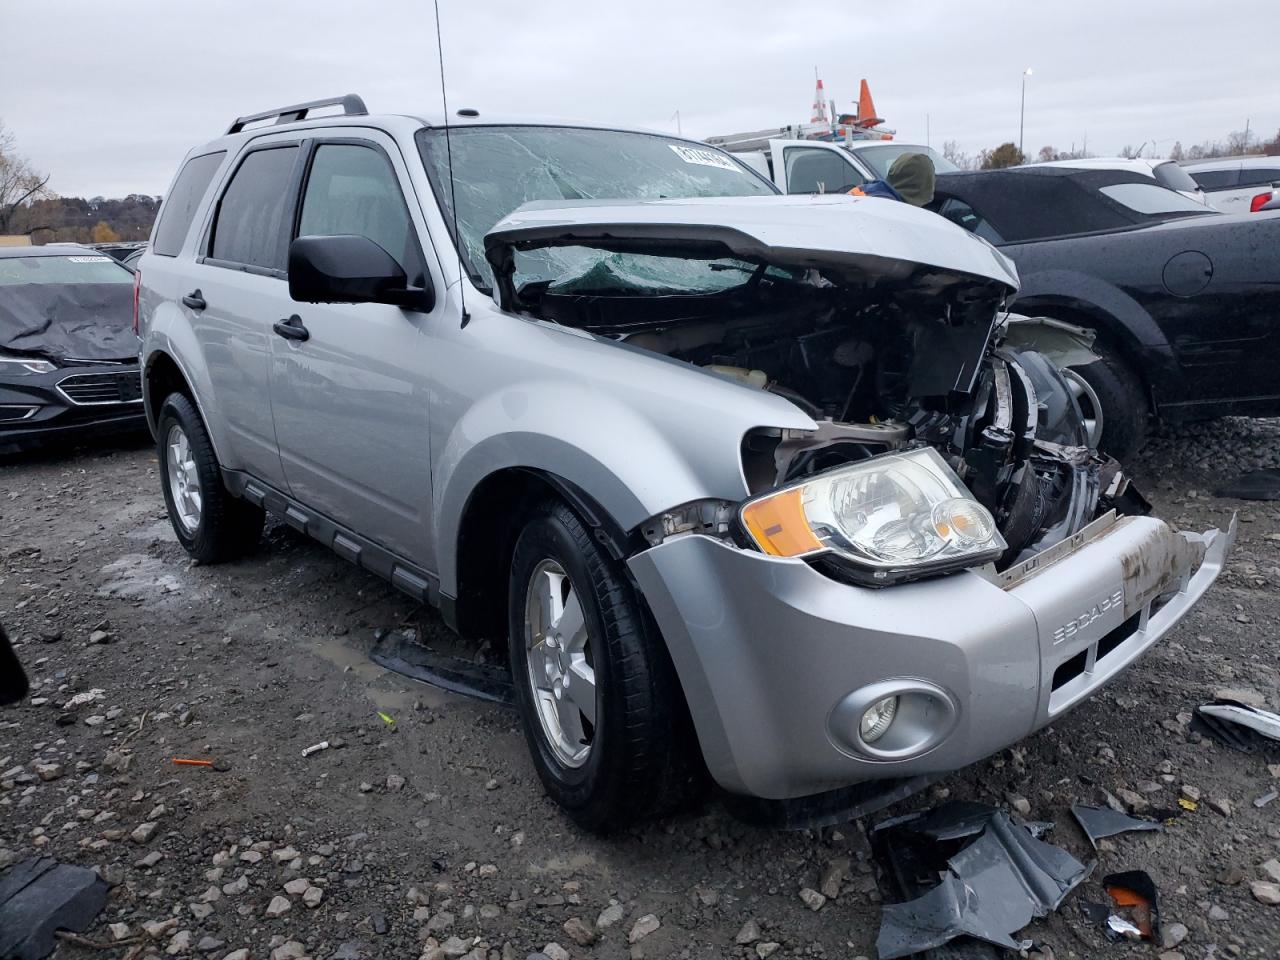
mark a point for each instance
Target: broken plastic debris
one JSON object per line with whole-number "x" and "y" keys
{"x": 991, "y": 886}
{"x": 1099, "y": 822}
{"x": 1186, "y": 804}
{"x": 40, "y": 896}
{"x": 1135, "y": 913}
{"x": 387, "y": 718}
{"x": 1237, "y": 725}
{"x": 399, "y": 654}
{"x": 185, "y": 762}
{"x": 316, "y": 748}
{"x": 1266, "y": 798}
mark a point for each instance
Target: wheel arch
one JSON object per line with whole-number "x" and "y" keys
{"x": 486, "y": 534}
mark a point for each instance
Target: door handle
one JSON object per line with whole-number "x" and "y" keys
{"x": 194, "y": 300}
{"x": 291, "y": 329}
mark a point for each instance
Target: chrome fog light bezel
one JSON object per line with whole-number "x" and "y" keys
{"x": 926, "y": 714}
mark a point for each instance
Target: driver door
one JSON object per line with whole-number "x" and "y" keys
{"x": 351, "y": 401}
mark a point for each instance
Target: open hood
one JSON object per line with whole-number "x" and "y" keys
{"x": 860, "y": 239}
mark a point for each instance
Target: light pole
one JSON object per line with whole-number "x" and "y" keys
{"x": 1022, "y": 113}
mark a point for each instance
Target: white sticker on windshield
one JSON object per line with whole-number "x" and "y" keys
{"x": 704, "y": 158}
{"x": 89, "y": 259}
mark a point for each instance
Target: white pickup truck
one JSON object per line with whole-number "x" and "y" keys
{"x": 820, "y": 166}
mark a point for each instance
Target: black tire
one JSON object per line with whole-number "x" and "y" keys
{"x": 1125, "y": 410}
{"x": 228, "y": 528}
{"x": 640, "y": 760}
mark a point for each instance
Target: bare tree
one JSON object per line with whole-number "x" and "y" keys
{"x": 20, "y": 182}
{"x": 951, "y": 150}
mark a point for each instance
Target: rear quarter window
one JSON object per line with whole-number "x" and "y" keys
{"x": 183, "y": 201}
{"x": 71, "y": 269}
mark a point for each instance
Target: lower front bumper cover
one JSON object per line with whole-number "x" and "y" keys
{"x": 765, "y": 648}
{"x": 72, "y": 400}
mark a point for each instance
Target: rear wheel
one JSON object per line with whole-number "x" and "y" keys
{"x": 1113, "y": 404}
{"x": 596, "y": 690}
{"x": 211, "y": 524}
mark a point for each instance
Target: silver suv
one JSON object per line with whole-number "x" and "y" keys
{"x": 753, "y": 485}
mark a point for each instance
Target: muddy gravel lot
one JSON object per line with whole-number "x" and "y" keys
{"x": 422, "y": 830}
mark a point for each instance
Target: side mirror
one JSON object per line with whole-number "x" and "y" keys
{"x": 13, "y": 681}
{"x": 350, "y": 269}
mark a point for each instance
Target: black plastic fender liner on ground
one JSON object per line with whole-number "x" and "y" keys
{"x": 399, "y": 654}
{"x": 40, "y": 896}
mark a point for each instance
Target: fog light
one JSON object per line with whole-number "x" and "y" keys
{"x": 877, "y": 719}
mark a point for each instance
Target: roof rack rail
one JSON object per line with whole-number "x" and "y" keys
{"x": 352, "y": 106}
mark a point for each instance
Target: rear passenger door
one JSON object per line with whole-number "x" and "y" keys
{"x": 239, "y": 288}
{"x": 352, "y": 401}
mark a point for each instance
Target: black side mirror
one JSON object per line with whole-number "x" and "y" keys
{"x": 350, "y": 269}
{"x": 13, "y": 681}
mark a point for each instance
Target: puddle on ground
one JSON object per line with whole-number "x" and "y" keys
{"x": 388, "y": 691}
{"x": 135, "y": 576}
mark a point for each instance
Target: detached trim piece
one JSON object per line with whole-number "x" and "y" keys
{"x": 349, "y": 545}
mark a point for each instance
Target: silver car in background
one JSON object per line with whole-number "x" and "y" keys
{"x": 756, "y": 485}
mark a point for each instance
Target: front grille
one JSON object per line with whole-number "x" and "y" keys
{"x": 86, "y": 389}
{"x": 1078, "y": 664}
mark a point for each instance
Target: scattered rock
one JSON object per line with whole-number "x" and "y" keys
{"x": 312, "y": 897}
{"x": 1221, "y": 805}
{"x": 278, "y": 906}
{"x": 1266, "y": 892}
{"x": 765, "y": 950}
{"x": 579, "y": 932}
{"x": 1271, "y": 870}
{"x": 48, "y": 771}
{"x": 143, "y": 832}
{"x": 297, "y": 887}
{"x": 1172, "y": 934}
{"x": 812, "y": 899}
{"x": 749, "y": 933}
{"x": 609, "y": 916}
{"x": 643, "y": 927}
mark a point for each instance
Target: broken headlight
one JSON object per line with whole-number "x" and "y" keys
{"x": 12, "y": 366}
{"x": 894, "y": 517}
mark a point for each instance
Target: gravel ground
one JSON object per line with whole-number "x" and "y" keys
{"x": 430, "y": 836}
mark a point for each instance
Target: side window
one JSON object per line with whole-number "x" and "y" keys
{"x": 352, "y": 189}
{"x": 1216, "y": 179}
{"x": 180, "y": 206}
{"x": 963, "y": 215}
{"x": 819, "y": 171}
{"x": 249, "y": 229}
{"x": 1259, "y": 176}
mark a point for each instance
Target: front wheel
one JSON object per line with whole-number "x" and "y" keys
{"x": 597, "y": 693}
{"x": 211, "y": 524}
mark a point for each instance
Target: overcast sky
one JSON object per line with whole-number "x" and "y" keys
{"x": 107, "y": 97}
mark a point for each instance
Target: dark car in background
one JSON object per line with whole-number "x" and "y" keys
{"x": 1185, "y": 301}
{"x": 68, "y": 354}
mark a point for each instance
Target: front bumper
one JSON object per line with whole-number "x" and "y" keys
{"x": 97, "y": 398}
{"x": 767, "y": 648}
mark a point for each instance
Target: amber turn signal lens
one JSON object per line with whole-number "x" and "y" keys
{"x": 779, "y": 526}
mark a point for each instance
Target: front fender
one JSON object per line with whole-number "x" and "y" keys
{"x": 634, "y": 459}
{"x": 168, "y": 333}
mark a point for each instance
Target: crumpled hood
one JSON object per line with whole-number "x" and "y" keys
{"x": 84, "y": 321}
{"x": 865, "y": 238}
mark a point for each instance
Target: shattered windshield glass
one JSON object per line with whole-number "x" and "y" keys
{"x": 498, "y": 169}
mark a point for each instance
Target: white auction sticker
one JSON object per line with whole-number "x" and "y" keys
{"x": 89, "y": 259}
{"x": 705, "y": 158}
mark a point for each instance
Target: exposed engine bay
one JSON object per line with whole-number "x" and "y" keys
{"x": 881, "y": 370}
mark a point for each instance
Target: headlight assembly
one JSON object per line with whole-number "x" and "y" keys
{"x": 890, "y": 518}
{"x": 13, "y": 366}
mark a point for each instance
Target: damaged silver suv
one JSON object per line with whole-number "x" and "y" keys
{"x": 753, "y": 485}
